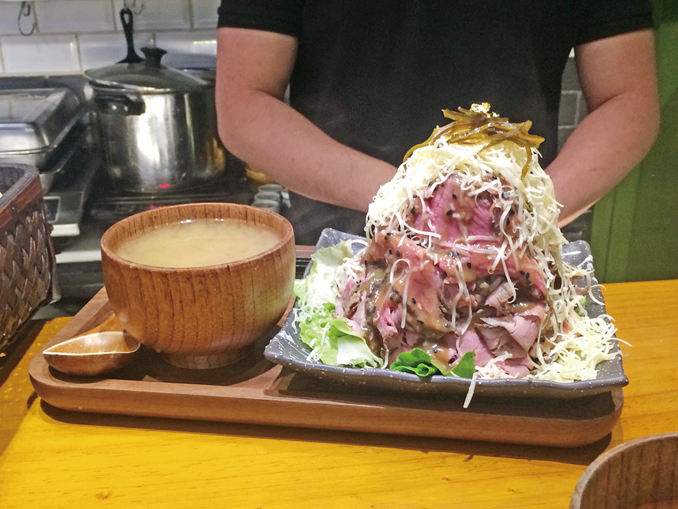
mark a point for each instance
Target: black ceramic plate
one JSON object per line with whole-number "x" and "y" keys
{"x": 286, "y": 348}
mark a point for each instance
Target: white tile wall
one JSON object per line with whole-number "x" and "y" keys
{"x": 9, "y": 13}
{"x": 75, "y": 35}
{"x": 74, "y": 16}
{"x": 99, "y": 50}
{"x": 205, "y": 13}
{"x": 197, "y": 48}
{"x": 49, "y": 53}
{"x": 160, "y": 14}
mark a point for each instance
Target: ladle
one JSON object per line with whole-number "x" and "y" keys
{"x": 98, "y": 351}
{"x": 127, "y": 19}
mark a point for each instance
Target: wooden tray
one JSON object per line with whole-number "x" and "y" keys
{"x": 256, "y": 391}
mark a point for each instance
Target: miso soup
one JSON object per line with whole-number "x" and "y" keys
{"x": 198, "y": 243}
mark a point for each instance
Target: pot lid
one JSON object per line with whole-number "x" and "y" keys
{"x": 147, "y": 76}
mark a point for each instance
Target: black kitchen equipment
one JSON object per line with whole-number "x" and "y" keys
{"x": 40, "y": 127}
{"x": 158, "y": 126}
{"x": 67, "y": 198}
{"x": 127, "y": 20}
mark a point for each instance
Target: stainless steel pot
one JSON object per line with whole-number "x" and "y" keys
{"x": 158, "y": 125}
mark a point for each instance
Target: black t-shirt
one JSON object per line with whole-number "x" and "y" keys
{"x": 375, "y": 74}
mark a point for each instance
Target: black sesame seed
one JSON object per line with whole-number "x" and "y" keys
{"x": 435, "y": 349}
{"x": 374, "y": 309}
{"x": 512, "y": 211}
{"x": 413, "y": 211}
{"x": 419, "y": 320}
{"x": 414, "y": 301}
{"x": 398, "y": 253}
{"x": 449, "y": 212}
{"x": 522, "y": 272}
{"x": 454, "y": 196}
{"x": 468, "y": 264}
{"x": 542, "y": 340}
{"x": 508, "y": 220}
{"x": 390, "y": 251}
{"x": 527, "y": 275}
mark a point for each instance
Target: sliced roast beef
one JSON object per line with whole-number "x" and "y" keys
{"x": 453, "y": 214}
{"x": 523, "y": 327}
{"x": 388, "y": 321}
{"x": 455, "y": 291}
{"x": 523, "y": 330}
{"x": 470, "y": 341}
{"x": 500, "y": 342}
{"x": 517, "y": 367}
{"x": 499, "y": 297}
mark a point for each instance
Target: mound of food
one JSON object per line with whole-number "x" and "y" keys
{"x": 462, "y": 271}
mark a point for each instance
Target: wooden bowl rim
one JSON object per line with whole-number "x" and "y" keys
{"x": 287, "y": 236}
{"x": 606, "y": 456}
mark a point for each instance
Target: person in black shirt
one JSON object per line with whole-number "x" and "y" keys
{"x": 368, "y": 80}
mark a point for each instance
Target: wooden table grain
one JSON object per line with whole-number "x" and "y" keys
{"x": 57, "y": 459}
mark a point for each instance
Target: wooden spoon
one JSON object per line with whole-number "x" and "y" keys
{"x": 100, "y": 350}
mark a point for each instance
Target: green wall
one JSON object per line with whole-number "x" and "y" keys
{"x": 634, "y": 233}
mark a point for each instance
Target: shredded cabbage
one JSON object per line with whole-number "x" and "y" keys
{"x": 331, "y": 339}
{"x": 566, "y": 355}
{"x": 486, "y": 153}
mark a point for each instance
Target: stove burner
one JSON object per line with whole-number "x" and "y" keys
{"x": 110, "y": 204}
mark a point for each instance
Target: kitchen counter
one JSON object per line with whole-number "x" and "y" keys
{"x": 54, "y": 458}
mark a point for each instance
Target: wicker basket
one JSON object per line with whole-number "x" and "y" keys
{"x": 27, "y": 264}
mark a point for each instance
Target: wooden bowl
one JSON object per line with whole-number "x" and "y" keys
{"x": 640, "y": 474}
{"x": 199, "y": 317}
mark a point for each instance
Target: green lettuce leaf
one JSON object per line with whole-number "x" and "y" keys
{"x": 415, "y": 361}
{"x": 349, "y": 348}
{"x": 419, "y": 362}
{"x": 466, "y": 365}
{"x": 332, "y": 338}
{"x": 312, "y": 330}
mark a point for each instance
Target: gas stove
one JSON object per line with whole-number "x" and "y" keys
{"x": 84, "y": 203}
{"x": 67, "y": 198}
{"x": 109, "y": 204}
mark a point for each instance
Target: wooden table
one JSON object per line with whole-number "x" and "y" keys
{"x": 53, "y": 458}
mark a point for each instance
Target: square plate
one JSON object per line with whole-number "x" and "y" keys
{"x": 286, "y": 348}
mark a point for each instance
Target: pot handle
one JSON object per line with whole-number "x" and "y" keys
{"x": 113, "y": 104}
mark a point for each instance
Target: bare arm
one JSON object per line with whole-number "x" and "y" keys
{"x": 618, "y": 79}
{"x": 253, "y": 70}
